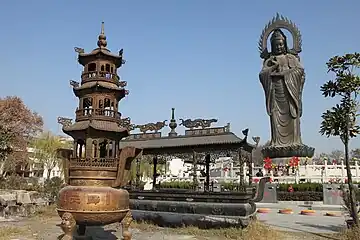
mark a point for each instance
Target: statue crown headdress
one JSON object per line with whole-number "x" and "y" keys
{"x": 277, "y": 34}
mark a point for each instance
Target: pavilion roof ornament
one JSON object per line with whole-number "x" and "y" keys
{"x": 102, "y": 43}
{"x": 172, "y": 124}
{"x": 64, "y": 121}
{"x": 196, "y": 123}
{"x": 151, "y": 126}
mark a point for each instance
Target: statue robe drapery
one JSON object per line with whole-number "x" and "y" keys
{"x": 283, "y": 95}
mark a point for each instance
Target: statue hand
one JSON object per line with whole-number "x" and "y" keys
{"x": 274, "y": 68}
{"x": 280, "y": 73}
{"x": 275, "y": 74}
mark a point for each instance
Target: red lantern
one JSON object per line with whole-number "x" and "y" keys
{"x": 226, "y": 169}
{"x": 267, "y": 163}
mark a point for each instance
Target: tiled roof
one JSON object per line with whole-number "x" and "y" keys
{"x": 183, "y": 141}
{"x": 96, "y": 124}
{"x": 106, "y": 52}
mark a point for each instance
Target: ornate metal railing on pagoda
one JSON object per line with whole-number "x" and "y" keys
{"x": 100, "y": 113}
{"x": 98, "y": 75}
{"x": 98, "y": 163}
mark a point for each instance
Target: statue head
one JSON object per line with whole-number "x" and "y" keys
{"x": 278, "y": 42}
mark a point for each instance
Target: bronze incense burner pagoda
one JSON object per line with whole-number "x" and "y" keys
{"x": 97, "y": 169}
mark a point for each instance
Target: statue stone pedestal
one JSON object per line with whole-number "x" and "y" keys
{"x": 286, "y": 160}
{"x": 283, "y": 154}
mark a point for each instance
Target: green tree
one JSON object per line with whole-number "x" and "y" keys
{"x": 46, "y": 150}
{"x": 355, "y": 154}
{"x": 257, "y": 156}
{"x": 340, "y": 120}
{"x": 336, "y": 155}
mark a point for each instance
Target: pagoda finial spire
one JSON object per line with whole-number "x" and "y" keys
{"x": 102, "y": 28}
{"x": 102, "y": 43}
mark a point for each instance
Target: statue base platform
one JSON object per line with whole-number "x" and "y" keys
{"x": 289, "y": 151}
{"x": 286, "y": 160}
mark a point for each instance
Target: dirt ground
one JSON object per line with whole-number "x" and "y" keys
{"x": 45, "y": 228}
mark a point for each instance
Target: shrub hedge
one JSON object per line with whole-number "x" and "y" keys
{"x": 299, "y": 187}
{"x": 300, "y": 196}
{"x": 177, "y": 185}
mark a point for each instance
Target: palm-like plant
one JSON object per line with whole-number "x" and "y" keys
{"x": 46, "y": 151}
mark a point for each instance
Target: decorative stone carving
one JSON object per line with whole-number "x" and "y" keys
{"x": 151, "y": 126}
{"x": 203, "y": 123}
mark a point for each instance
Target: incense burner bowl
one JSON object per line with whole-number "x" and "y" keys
{"x": 94, "y": 206}
{"x": 93, "y": 196}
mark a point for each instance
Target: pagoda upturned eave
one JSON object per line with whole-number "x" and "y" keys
{"x": 105, "y": 126}
{"x": 120, "y": 92}
{"x": 85, "y": 58}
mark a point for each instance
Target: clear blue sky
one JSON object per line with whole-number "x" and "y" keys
{"x": 199, "y": 56}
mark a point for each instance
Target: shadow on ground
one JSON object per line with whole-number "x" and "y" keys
{"x": 99, "y": 233}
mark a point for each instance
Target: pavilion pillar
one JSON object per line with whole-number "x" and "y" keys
{"x": 138, "y": 160}
{"x": 155, "y": 160}
{"x": 75, "y": 144}
{"x": 108, "y": 149}
{"x": 113, "y": 147}
{"x": 194, "y": 170}
{"x": 250, "y": 167}
{"x": 207, "y": 172}
{"x": 81, "y": 150}
{"x": 241, "y": 161}
{"x": 88, "y": 148}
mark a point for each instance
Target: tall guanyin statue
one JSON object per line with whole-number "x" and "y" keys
{"x": 283, "y": 77}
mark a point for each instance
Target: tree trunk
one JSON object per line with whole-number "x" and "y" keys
{"x": 48, "y": 174}
{"x": 353, "y": 209}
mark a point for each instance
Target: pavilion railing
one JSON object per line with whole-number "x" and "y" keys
{"x": 88, "y": 76}
{"x": 103, "y": 112}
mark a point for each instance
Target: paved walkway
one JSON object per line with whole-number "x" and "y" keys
{"x": 300, "y": 204}
{"x": 300, "y": 223}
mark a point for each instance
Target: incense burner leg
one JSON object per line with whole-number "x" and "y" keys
{"x": 125, "y": 224}
{"x": 68, "y": 225}
{"x": 81, "y": 230}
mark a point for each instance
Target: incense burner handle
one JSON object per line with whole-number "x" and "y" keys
{"x": 260, "y": 191}
{"x": 126, "y": 157}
